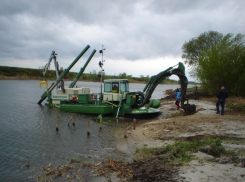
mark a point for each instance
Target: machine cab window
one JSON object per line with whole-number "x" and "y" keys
{"x": 124, "y": 87}
{"x": 111, "y": 87}
{"x": 115, "y": 87}
{"x": 107, "y": 87}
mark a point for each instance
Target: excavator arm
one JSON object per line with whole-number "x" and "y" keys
{"x": 46, "y": 67}
{"x": 56, "y": 65}
{"x": 145, "y": 96}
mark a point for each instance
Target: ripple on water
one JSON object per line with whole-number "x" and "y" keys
{"x": 27, "y": 132}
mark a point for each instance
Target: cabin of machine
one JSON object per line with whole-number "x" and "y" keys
{"x": 113, "y": 88}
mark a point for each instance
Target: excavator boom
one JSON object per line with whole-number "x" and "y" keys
{"x": 156, "y": 79}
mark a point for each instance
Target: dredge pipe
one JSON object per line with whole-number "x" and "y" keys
{"x": 82, "y": 70}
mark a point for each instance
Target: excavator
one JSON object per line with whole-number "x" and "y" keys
{"x": 46, "y": 67}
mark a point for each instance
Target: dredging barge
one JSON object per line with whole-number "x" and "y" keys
{"x": 116, "y": 99}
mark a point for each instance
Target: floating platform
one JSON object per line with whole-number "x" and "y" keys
{"x": 87, "y": 108}
{"x": 142, "y": 113}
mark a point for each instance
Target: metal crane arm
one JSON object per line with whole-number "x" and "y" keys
{"x": 155, "y": 80}
{"x": 56, "y": 65}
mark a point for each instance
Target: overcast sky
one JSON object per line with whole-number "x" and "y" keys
{"x": 141, "y": 37}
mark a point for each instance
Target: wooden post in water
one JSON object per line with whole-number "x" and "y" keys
{"x": 125, "y": 131}
{"x": 70, "y": 121}
{"x": 101, "y": 122}
{"x": 88, "y": 133}
{"x": 134, "y": 124}
{"x": 74, "y": 119}
{"x": 57, "y": 123}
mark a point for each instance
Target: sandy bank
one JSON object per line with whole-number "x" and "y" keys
{"x": 205, "y": 123}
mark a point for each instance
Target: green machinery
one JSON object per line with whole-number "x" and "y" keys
{"x": 116, "y": 98}
{"x": 48, "y": 93}
{"x": 119, "y": 101}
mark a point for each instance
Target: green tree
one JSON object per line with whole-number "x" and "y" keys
{"x": 142, "y": 78}
{"x": 94, "y": 75}
{"x": 61, "y": 70}
{"x": 122, "y": 75}
{"x": 224, "y": 64}
{"x": 193, "y": 48}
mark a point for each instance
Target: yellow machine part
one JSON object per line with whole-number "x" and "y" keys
{"x": 43, "y": 82}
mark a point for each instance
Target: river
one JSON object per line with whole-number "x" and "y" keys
{"x": 27, "y": 131}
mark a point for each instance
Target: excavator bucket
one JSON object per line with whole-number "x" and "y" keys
{"x": 43, "y": 82}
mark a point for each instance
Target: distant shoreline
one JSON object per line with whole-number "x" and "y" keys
{"x": 23, "y": 78}
{"x": 15, "y": 73}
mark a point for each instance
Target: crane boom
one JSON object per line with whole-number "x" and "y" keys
{"x": 56, "y": 65}
{"x": 45, "y": 94}
{"x": 46, "y": 67}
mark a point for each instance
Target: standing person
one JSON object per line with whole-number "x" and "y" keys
{"x": 178, "y": 96}
{"x": 221, "y": 95}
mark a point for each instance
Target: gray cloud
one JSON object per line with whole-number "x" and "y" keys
{"x": 130, "y": 30}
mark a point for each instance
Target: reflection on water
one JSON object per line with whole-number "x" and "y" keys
{"x": 27, "y": 131}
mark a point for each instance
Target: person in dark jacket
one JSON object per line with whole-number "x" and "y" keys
{"x": 221, "y": 95}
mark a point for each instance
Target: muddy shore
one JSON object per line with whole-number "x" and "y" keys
{"x": 205, "y": 123}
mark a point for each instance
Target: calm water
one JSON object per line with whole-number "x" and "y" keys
{"x": 27, "y": 131}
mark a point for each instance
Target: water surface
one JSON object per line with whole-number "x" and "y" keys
{"x": 27, "y": 131}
